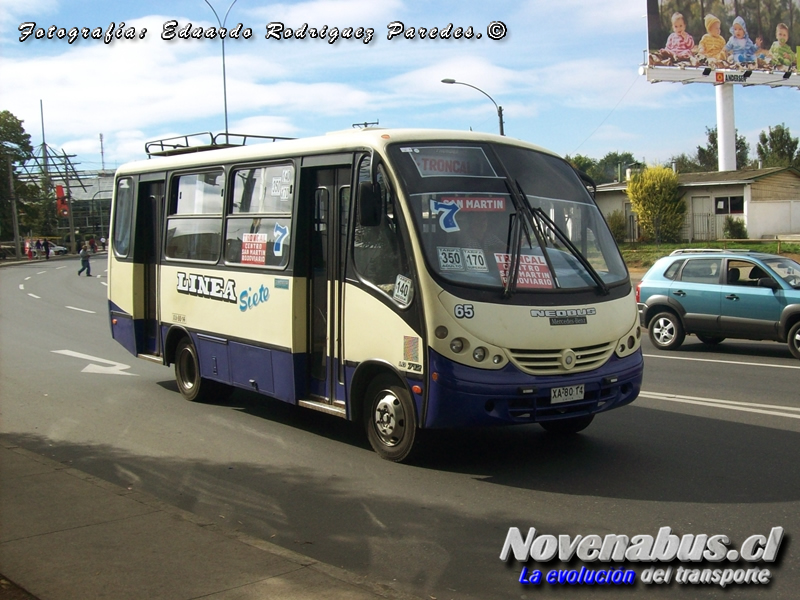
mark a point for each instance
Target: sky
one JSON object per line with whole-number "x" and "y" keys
{"x": 565, "y": 72}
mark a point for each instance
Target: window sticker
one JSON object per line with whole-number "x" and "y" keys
{"x": 281, "y": 232}
{"x": 254, "y": 248}
{"x": 450, "y": 259}
{"x": 276, "y": 186}
{"x": 477, "y": 204}
{"x": 447, "y": 215}
{"x": 474, "y": 260}
{"x": 402, "y": 290}
{"x": 533, "y": 271}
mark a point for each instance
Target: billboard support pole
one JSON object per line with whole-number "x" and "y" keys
{"x": 726, "y": 128}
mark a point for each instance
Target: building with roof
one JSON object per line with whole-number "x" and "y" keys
{"x": 766, "y": 200}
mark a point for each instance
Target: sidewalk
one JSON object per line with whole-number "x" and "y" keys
{"x": 65, "y": 535}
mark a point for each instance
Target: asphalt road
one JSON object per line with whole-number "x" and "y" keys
{"x": 711, "y": 447}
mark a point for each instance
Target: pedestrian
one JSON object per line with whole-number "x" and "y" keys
{"x": 92, "y": 245}
{"x": 85, "y": 266}
{"x": 103, "y": 243}
{"x": 46, "y": 248}
{"x": 38, "y": 248}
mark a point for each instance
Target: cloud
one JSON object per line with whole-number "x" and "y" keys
{"x": 347, "y": 13}
{"x": 13, "y": 13}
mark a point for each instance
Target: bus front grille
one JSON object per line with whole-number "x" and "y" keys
{"x": 553, "y": 362}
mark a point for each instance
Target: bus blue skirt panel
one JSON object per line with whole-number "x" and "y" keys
{"x": 462, "y": 396}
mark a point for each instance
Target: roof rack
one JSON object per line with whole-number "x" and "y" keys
{"x": 200, "y": 142}
{"x": 708, "y": 251}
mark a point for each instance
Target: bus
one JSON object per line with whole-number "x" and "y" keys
{"x": 404, "y": 279}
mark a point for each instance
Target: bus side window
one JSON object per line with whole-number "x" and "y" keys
{"x": 378, "y": 250}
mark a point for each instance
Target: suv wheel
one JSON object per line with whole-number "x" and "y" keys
{"x": 666, "y": 331}
{"x": 794, "y": 339}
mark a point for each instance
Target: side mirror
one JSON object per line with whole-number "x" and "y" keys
{"x": 769, "y": 282}
{"x": 369, "y": 204}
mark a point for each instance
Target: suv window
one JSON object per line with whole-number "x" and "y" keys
{"x": 701, "y": 270}
{"x": 672, "y": 272}
{"x": 744, "y": 273}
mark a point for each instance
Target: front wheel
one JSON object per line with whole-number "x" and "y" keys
{"x": 389, "y": 419}
{"x": 567, "y": 426}
{"x": 794, "y": 340}
{"x": 187, "y": 375}
{"x": 666, "y": 331}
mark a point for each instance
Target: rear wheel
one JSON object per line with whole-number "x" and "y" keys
{"x": 794, "y": 339}
{"x": 187, "y": 375}
{"x": 567, "y": 426}
{"x": 390, "y": 419}
{"x": 711, "y": 340}
{"x": 666, "y": 331}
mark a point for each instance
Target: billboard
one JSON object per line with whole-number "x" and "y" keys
{"x": 759, "y": 37}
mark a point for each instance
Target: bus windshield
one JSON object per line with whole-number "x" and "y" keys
{"x": 489, "y": 212}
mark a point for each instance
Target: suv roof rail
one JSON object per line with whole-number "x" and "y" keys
{"x": 200, "y": 142}
{"x": 695, "y": 251}
{"x": 711, "y": 251}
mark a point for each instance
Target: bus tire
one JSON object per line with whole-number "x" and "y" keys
{"x": 567, "y": 426}
{"x": 187, "y": 374}
{"x": 389, "y": 419}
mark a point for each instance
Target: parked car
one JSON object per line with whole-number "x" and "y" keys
{"x": 56, "y": 249}
{"x": 720, "y": 294}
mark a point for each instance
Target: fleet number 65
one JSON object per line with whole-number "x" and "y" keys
{"x": 464, "y": 311}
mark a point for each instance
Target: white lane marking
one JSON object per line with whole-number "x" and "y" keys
{"x": 28, "y": 277}
{"x": 726, "y": 404}
{"x": 22, "y": 286}
{"x": 114, "y": 368}
{"x": 104, "y": 283}
{"x": 34, "y": 296}
{"x": 57, "y": 268}
{"x": 81, "y": 310}
{"x": 724, "y": 362}
{"x": 41, "y": 272}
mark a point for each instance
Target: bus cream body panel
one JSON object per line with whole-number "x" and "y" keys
{"x": 232, "y": 304}
{"x": 543, "y": 327}
{"x": 385, "y": 336}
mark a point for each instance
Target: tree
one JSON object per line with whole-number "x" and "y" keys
{"x": 15, "y": 145}
{"x": 708, "y": 156}
{"x": 582, "y": 163}
{"x": 685, "y": 163}
{"x": 612, "y": 167}
{"x": 655, "y": 197}
{"x": 778, "y": 148}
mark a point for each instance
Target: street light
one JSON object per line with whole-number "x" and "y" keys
{"x": 224, "y": 82}
{"x": 499, "y": 108}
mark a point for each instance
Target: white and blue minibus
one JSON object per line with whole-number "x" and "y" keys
{"x": 406, "y": 279}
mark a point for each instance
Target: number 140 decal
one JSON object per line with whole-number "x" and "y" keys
{"x": 464, "y": 311}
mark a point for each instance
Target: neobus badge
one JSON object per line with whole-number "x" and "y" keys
{"x": 207, "y": 287}
{"x": 572, "y": 316}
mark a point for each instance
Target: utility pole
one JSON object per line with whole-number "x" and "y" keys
{"x": 69, "y": 207}
{"x": 14, "y": 217}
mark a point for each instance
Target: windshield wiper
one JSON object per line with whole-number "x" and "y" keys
{"x": 542, "y": 216}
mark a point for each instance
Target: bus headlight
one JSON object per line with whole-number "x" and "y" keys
{"x": 457, "y": 345}
{"x": 479, "y": 354}
{"x": 441, "y": 332}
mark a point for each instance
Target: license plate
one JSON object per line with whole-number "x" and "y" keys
{"x": 566, "y": 394}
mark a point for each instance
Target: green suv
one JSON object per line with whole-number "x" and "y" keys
{"x": 716, "y": 294}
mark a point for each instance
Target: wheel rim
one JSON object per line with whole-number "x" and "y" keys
{"x": 796, "y": 341}
{"x": 664, "y": 331}
{"x": 188, "y": 373}
{"x": 389, "y": 418}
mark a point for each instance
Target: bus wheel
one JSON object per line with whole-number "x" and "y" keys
{"x": 187, "y": 373}
{"x": 389, "y": 419}
{"x": 567, "y": 426}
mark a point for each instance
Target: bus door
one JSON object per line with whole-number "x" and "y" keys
{"x": 150, "y": 209}
{"x": 331, "y": 207}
